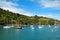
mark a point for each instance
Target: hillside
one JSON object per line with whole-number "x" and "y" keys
{"x": 7, "y": 17}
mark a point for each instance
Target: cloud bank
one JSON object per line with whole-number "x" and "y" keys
{"x": 51, "y": 16}
{"x": 50, "y": 3}
{"x": 13, "y": 7}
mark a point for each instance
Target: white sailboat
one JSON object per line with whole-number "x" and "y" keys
{"x": 40, "y": 27}
{"x": 49, "y": 26}
{"x": 32, "y": 27}
{"x": 7, "y": 24}
{"x": 7, "y": 27}
{"x": 55, "y": 26}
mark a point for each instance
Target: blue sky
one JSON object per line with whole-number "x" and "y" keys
{"x": 46, "y": 8}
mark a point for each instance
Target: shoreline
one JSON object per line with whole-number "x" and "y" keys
{"x": 22, "y": 25}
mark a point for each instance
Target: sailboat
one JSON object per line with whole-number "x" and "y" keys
{"x": 7, "y": 26}
{"x": 32, "y": 27}
{"x": 49, "y": 25}
{"x": 56, "y": 24}
{"x": 7, "y": 23}
{"x": 18, "y": 26}
{"x": 40, "y": 26}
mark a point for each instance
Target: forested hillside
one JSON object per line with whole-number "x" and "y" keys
{"x": 7, "y": 17}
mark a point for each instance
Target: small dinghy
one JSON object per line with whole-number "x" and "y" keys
{"x": 18, "y": 27}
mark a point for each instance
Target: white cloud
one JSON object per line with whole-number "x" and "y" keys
{"x": 13, "y": 7}
{"x": 50, "y": 3}
{"x": 51, "y": 16}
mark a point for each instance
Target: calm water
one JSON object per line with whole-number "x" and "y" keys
{"x": 27, "y": 33}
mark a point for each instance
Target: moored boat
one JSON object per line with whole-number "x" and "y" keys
{"x": 18, "y": 27}
{"x": 7, "y": 27}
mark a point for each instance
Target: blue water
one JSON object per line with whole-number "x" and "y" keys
{"x": 27, "y": 33}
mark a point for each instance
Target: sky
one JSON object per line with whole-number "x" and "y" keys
{"x": 45, "y": 8}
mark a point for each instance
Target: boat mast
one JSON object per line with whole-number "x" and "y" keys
{"x": 17, "y": 21}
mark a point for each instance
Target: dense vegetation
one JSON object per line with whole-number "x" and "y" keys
{"x": 7, "y": 17}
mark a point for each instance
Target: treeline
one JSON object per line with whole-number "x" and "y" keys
{"x": 7, "y": 17}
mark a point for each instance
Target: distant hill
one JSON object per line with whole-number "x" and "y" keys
{"x": 7, "y": 17}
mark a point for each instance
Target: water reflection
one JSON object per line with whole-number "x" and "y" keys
{"x": 52, "y": 30}
{"x": 47, "y": 33}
